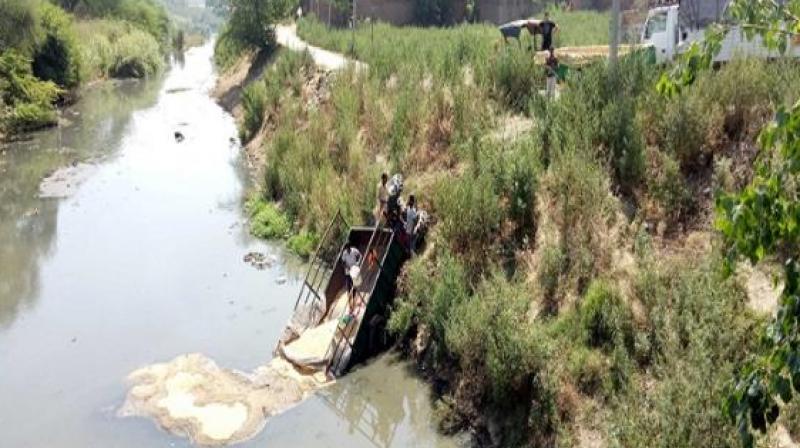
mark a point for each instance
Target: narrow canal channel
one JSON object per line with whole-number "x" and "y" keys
{"x": 142, "y": 262}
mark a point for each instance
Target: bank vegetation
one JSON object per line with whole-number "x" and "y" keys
{"x": 48, "y": 49}
{"x": 572, "y": 291}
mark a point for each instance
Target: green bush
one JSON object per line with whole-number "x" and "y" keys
{"x": 470, "y": 215}
{"x": 30, "y": 116}
{"x": 666, "y": 185}
{"x": 552, "y": 265}
{"x": 685, "y": 124}
{"x": 522, "y": 186}
{"x": 303, "y": 244}
{"x": 516, "y": 78}
{"x": 254, "y": 104}
{"x": 27, "y": 102}
{"x": 430, "y": 302}
{"x": 116, "y": 48}
{"x": 589, "y": 370}
{"x": 266, "y": 220}
{"x": 605, "y": 318}
{"x": 136, "y": 55}
{"x": 575, "y": 192}
{"x": 19, "y": 24}
{"x": 227, "y": 50}
{"x": 623, "y": 142}
{"x": 149, "y": 16}
{"x": 490, "y": 331}
{"x": 58, "y": 57}
{"x": 700, "y": 331}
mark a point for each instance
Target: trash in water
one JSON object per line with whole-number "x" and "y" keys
{"x": 258, "y": 260}
{"x": 191, "y": 396}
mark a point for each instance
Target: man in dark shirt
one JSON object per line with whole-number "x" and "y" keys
{"x": 547, "y": 27}
{"x": 551, "y": 69}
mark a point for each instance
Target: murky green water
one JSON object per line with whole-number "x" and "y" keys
{"x": 144, "y": 263}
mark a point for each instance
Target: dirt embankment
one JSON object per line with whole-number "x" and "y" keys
{"x": 228, "y": 94}
{"x": 228, "y": 91}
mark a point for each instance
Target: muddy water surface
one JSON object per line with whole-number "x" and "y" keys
{"x": 143, "y": 262}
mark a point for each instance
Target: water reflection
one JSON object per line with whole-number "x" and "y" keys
{"x": 380, "y": 405}
{"x": 91, "y": 130}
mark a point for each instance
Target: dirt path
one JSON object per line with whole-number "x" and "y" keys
{"x": 286, "y": 35}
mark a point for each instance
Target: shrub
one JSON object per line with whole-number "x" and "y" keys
{"x": 58, "y": 58}
{"x": 303, "y": 244}
{"x": 552, "y": 265}
{"x": 741, "y": 91}
{"x": 19, "y": 24}
{"x": 605, "y": 318}
{"x": 666, "y": 185}
{"x": 430, "y": 291}
{"x": 516, "y": 78}
{"x": 149, "y": 16}
{"x": 30, "y": 116}
{"x": 470, "y": 215}
{"x": 490, "y": 331}
{"x": 136, "y": 55}
{"x": 27, "y": 102}
{"x": 575, "y": 195}
{"x": 523, "y": 182}
{"x": 254, "y": 103}
{"x": 589, "y": 370}
{"x": 227, "y": 50}
{"x": 685, "y": 131}
{"x": 266, "y": 220}
{"x": 623, "y": 142}
{"x": 724, "y": 179}
{"x": 96, "y": 54}
{"x": 700, "y": 331}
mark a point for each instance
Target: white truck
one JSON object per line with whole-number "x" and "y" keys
{"x": 672, "y": 28}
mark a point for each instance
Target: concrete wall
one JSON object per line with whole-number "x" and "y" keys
{"x": 396, "y": 12}
{"x": 502, "y": 11}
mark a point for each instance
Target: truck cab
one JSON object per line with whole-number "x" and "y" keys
{"x": 661, "y": 30}
{"x": 671, "y": 31}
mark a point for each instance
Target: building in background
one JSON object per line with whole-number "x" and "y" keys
{"x": 406, "y": 12}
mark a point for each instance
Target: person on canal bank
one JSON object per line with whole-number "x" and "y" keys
{"x": 551, "y": 68}
{"x": 410, "y": 222}
{"x": 547, "y": 28}
{"x": 351, "y": 258}
{"x": 382, "y": 197}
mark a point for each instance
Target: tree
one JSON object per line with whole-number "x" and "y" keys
{"x": 19, "y": 24}
{"x": 68, "y": 5}
{"x": 250, "y": 21}
{"x": 432, "y": 12}
{"x": 762, "y": 221}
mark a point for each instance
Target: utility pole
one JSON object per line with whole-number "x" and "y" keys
{"x": 353, "y": 25}
{"x": 613, "y": 53}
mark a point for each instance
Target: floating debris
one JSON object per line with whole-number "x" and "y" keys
{"x": 178, "y": 90}
{"x": 64, "y": 182}
{"x": 259, "y": 260}
{"x": 192, "y": 397}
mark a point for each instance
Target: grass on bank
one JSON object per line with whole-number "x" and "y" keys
{"x": 47, "y": 53}
{"x": 443, "y": 52}
{"x": 523, "y": 293}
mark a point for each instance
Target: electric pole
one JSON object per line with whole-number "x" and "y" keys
{"x": 613, "y": 53}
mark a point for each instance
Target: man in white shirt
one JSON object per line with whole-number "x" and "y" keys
{"x": 411, "y": 218}
{"x": 382, "y": 197}
{"x": 351, "y": 258}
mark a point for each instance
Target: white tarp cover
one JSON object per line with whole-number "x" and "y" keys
{"x": 311, "y": 348}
